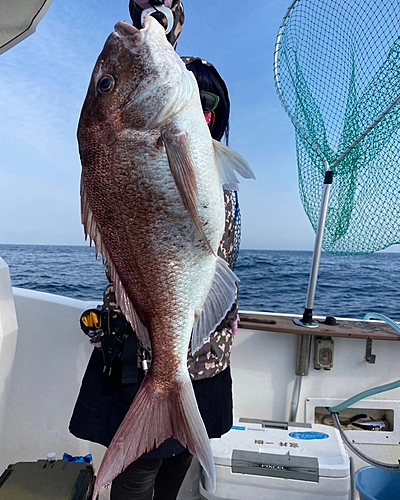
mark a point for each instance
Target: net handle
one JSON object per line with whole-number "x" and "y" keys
{"x": 304, "y": 347}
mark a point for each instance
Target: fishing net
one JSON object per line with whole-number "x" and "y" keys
{"x": 337, "y": 71}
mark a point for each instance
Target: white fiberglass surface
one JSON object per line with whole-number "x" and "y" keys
{"x": 52, "y": 353}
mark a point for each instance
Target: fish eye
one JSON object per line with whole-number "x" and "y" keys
{"x": 106, "y": 84}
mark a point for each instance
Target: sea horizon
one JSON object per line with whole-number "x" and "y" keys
{"x": 384, "y": 250}
{"x": 270, "y": 280}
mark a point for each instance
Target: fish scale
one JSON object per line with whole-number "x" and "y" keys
{"x": 152, "y": 203}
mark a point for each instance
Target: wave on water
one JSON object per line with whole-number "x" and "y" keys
{"x": 270, "y": 280}
{"x": 72, "y": 271}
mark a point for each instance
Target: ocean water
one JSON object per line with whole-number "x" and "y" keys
{"x": 269, "y": 280}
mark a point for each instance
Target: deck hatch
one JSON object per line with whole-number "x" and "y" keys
{"x": 269, "y": 464}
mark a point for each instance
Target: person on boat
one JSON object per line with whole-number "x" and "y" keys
{"x": 115, "y": 372}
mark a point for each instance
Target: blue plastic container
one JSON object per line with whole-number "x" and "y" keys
{"x": 378, "y": 484}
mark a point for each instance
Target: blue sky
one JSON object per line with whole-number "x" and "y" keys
{"x": 44, "y": 83}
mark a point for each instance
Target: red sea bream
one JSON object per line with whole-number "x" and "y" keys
{"x": 152, "y": 202}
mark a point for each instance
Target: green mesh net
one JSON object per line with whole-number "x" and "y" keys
{"x": 337, "y": 71}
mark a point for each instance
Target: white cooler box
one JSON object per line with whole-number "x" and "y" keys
{"x": 263, "y": 460}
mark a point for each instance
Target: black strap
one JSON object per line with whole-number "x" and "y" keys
{"x": 111, "y": 348}
{"x": 116, "y": 324}
{"x": 117, "y": 340}
{"x": 129, "y": 360}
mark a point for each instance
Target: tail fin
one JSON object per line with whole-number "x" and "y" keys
{"x": 151, "y": 420}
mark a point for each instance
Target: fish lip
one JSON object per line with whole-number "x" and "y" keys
{"x": 124, "y": 29}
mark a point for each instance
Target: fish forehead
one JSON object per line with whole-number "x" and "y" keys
{"x": 147, "y": 76}
{"x": 138, "y": 54}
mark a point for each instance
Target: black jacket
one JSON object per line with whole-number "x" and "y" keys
{"x": 103, "y": 402}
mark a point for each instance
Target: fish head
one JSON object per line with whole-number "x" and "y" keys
{"x": 138, "y": 82}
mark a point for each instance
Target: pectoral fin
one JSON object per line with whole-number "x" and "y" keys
{"x": 228, "y": 161}
{"x": 218, "y": 303}
{"x": 182, "y": 169}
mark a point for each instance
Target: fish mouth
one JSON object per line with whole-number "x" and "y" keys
{"x": 130, "y": 36}
{"x": 124, "y": 29}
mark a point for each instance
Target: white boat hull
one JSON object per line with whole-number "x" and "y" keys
{"x": 43, "y": 356}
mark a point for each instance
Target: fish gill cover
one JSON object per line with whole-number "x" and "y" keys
{"x": 337, "y": 72}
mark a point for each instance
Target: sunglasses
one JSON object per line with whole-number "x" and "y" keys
{"x": 209, "y": 101}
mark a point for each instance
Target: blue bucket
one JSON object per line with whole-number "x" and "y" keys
{"x": 378, "y": 484}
